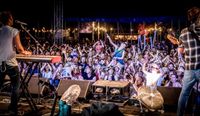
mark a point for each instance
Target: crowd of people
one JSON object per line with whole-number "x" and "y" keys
{"x": 112, "y": 60}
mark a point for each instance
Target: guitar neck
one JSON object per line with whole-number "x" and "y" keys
{"x": 172, "y": 39}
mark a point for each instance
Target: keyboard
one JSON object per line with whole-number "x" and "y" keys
{"x": 38, "y": 58}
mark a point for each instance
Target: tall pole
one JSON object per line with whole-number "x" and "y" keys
{"x": 172, "y": 23}
{"x": 78, "y": 29}
{"x": 93, "y": 30}
{"x": 179, "y": 26}
{"x": 98, "y": 30}
{"x": 58, "y": 21}
{"x": 131, "y": 32}
{"x": 118, "y": 29}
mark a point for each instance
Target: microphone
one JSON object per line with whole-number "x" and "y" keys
{"x": 21, "y": 23}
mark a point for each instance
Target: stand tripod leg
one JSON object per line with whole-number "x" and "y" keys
{"x": 39, "y": 91}
{"x": 54, "y": 104}
{"x": 25, "y": 91}
{"x": 29, "y": 98}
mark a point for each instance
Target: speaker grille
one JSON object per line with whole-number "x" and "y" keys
{"x": 65, "y": 84}
{"x": 34, "y": 87}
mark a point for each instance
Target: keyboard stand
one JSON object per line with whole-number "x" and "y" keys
{"x": 33, "y": 59}
{"x": 24, "y": 86}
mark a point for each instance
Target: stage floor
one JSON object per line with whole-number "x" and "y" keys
{"x": 44, "y": 106}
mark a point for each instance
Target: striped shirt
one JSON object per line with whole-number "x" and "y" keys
{"x": 191, "y": 47}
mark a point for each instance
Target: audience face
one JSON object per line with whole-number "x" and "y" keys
{"x": 155, "y": 69}
{"x": 76, "y": 70}
{"x": 117, "y": 69}
{"x": 171, "y": 67}
{"x": 69, "y": 59}
{"x": 83, "y": 59}
{"x": 122, "y": 46}
{"x": 110, "y": 71}
{"x": 47, "y": 53}
{"x": 96, "y": 61}
{"x": 173, "y": 78}
{"x": 102, "y": 62}
{"x": 138, "y": 80}
{"x": 75, "y": 59}
{"x": 52, "y": 53}
{"x": 58, "y": 53}
{"x": 87, "y": 70}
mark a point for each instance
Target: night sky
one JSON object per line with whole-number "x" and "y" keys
{"x": 41, "y": 11}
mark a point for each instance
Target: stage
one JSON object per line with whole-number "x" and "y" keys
{"x": 44, "y": 106}
{"x": 47, "y": 105}
{"x": 44, "y": 100}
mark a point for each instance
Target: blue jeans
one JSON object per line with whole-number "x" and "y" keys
{"x": 190, "y": 78}
{"x": 64, "y": 109}
{"x": 13, "y": 73}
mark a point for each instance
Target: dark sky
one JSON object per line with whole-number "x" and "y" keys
{"x": 41, "y": 11}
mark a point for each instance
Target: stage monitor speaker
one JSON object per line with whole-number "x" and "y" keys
{"x": 171, "y": 95}
{"x": 35, "y": 87}
{"x": 65, "y": 84}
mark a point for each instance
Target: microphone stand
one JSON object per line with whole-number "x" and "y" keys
{"x": 37, "y": 45}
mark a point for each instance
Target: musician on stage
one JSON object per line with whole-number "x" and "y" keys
{"x": 10, "y": 38}
{"x": 189, "y": 44}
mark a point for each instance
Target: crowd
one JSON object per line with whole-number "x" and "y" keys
{"x": 116, "y": 61}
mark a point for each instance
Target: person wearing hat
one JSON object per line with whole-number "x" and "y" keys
{"x": 153, "y": 76}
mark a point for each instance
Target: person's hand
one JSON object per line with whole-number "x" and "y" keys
{"x": 107, "y": 36}
{"x": 26, "y": 52}
{"x": 144, "y": 61}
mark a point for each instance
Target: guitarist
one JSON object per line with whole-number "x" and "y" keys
{"x": 190, "y": 44}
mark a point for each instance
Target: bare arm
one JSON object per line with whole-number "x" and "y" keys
{"x": 111, "y": 42}
{"x": 19, "y": 46}
{"x": 50, "y": 67}
{"x": 80, "y": 51}
{"x": 181, "y": 50}
{"x": 144, "y": 68}
{"x": 102, "y": 43}
{"x": 17, "y": 42}
{"x": 95, "y": 44}
{"x": 165, "y": 58}
{"x": 53, "y": 67}
{"x": 43, "y": 67}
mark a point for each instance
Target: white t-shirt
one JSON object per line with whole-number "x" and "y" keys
{"x": 66, "y": 71}
{"x": 152, "y": 78}
{"x": 47, "y": 75}
{"x": 7, "y": 52}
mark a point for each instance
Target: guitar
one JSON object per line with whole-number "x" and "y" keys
{"x": 172, "y": 39}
